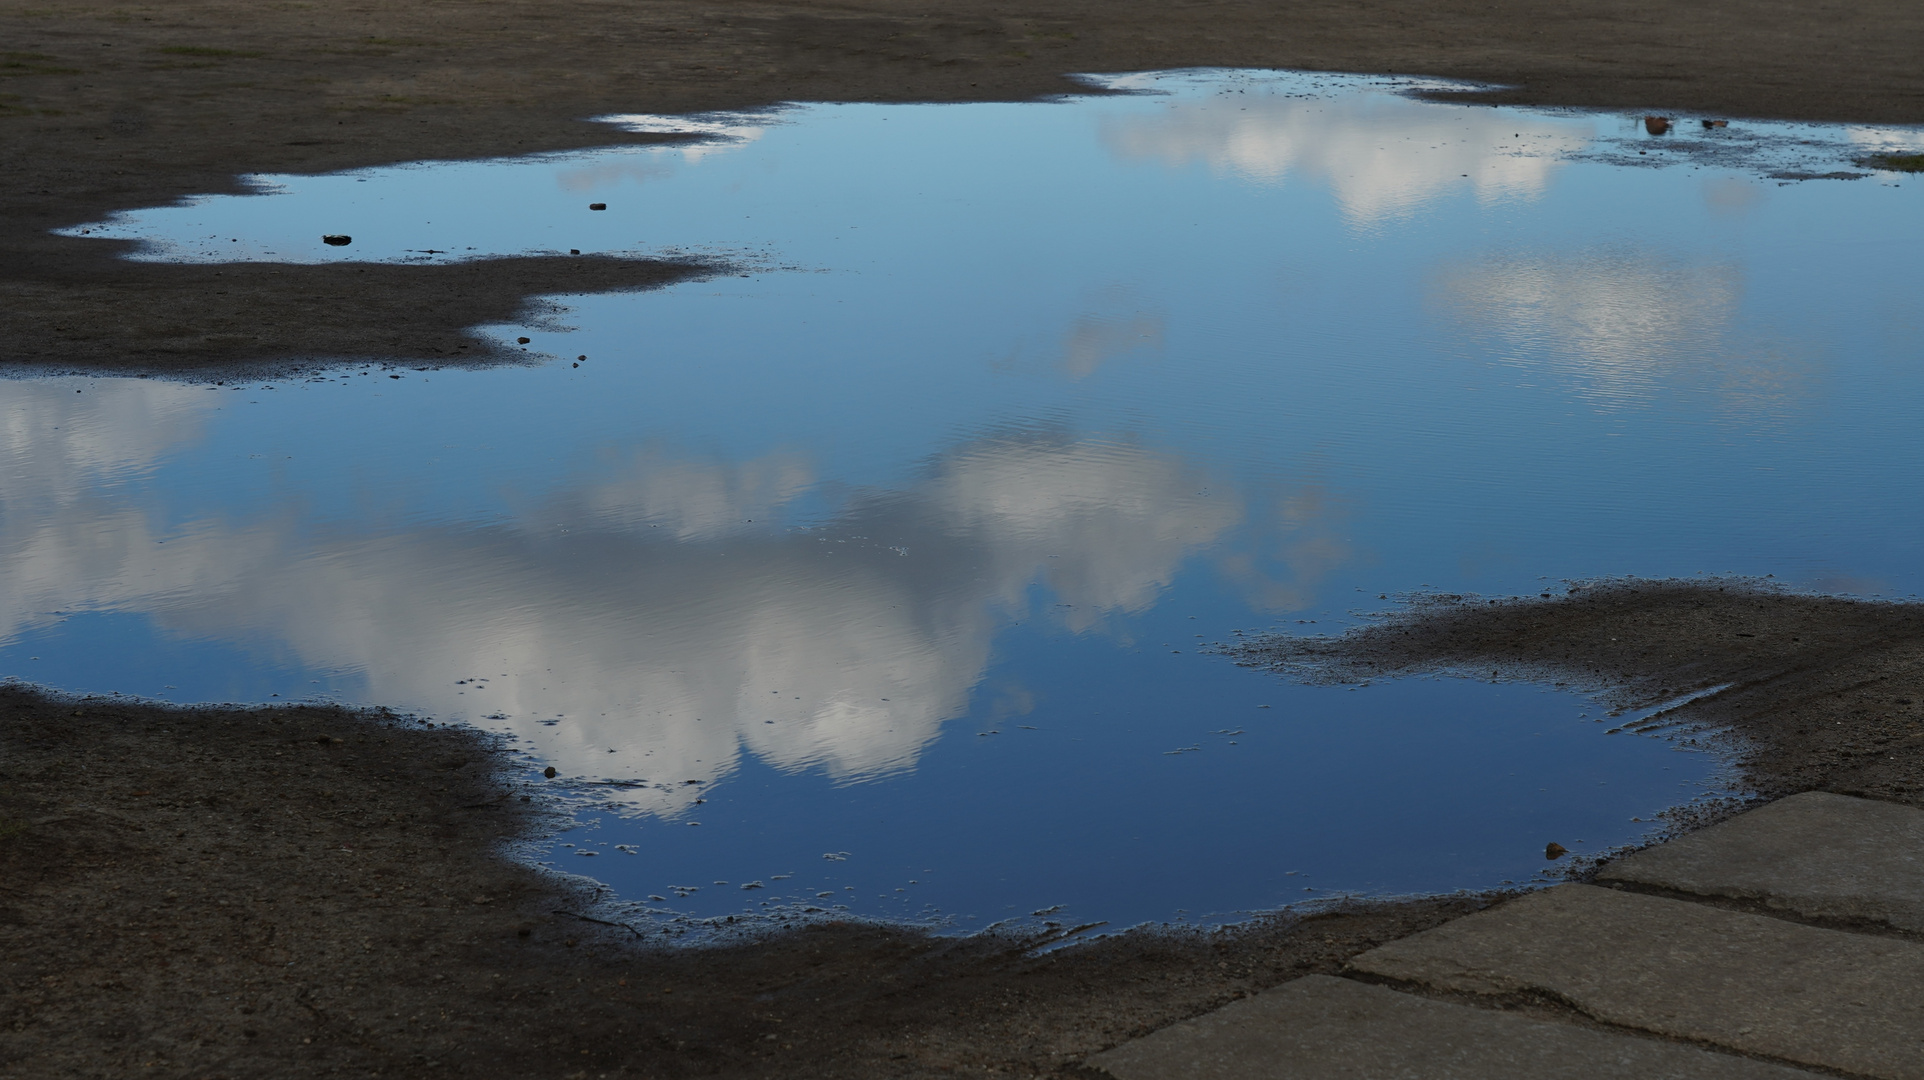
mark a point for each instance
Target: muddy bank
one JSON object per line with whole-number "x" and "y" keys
{"x": 264, "y": 318}
{"x": 112, "y": 107}
{"x": 303, "y": 892}
{"x": 1812, "y": 692}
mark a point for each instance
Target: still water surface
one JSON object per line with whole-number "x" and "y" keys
{"x": 878, "y": 570}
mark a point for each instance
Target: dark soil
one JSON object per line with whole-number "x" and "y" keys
{"x": 296, "y": 891}
{"x": 138, "y": 104}
{"x": 196, "y": 893}
{"x": 1819, "y": 693}
{"x": 302, "y": 892}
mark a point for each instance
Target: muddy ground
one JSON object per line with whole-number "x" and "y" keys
{"x": 303, "y": 892}
{"x": 298, "y": 892}
{"x": 113, "y": 106}
{"x": 224, "y": 894}
{"x": 1811, "y": 692}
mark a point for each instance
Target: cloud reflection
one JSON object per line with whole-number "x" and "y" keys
{"x": 1383, "y": 157}
{"x": 1613, "y": 320}
{"x": 641, "y": 611}
{"x": 1625, "y": 324}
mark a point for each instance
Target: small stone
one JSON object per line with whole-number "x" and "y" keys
{"x": 1554, "y": 851}
{"x": 574, "y": 251}
{"x": 1657, "y": 125}
{"x": 337, "y": 239}
{"x": 597, "y": 206}
{"x": 522, "y": 340}
{"x": 549, "y": 772}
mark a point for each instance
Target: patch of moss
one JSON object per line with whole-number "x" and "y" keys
{"x": 16, "y": 64}
{"x": 205, "y": 50}
{"x": 1894, "y": 162}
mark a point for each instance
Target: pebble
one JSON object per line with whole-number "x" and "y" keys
{"x": 337, "y": 239}
{"x": 597, "y": 206}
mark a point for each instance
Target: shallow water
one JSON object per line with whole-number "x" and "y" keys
{"x": 891, "y": 554}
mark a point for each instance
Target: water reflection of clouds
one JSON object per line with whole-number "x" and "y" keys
{"x": 640, "y": 608}
{"x": 715, "y": 132}
{"x": 688, "y": 499}
{"x": 1383, "y": 157}
{"x": 1887, "y": 140}
{"x": 1614, "y": 319}
{"x": 1093, "y": 340}
{"x": 604, "y": 174}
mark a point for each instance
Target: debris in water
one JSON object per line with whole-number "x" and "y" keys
{"x": 597, "y": 206}
{"x": 335, "y": 239}
{"x": 1657, "y": 125}
{"x": 549, "y": 772}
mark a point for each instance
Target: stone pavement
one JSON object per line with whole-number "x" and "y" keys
{"x": 1781, "y": 938}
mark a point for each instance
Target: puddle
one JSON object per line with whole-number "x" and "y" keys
{"x": 877, "y": 573}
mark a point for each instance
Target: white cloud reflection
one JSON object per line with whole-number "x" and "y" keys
{"x": 719, "y": 132}
{"x": 1614, "y": 320}
{"x": 1383, "y": 157}
{"x": 641, "y": 608}
{"x": 1626, "y": 324}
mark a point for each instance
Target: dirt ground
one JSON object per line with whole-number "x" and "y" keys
{"x": 222, "y": 893}
{"x": 301, "y": 892}
{"x": 115, "y": 106}
{"x": 298, "y": 892}
{"x": 1811, "y": 692}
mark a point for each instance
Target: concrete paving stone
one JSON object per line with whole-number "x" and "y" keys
{"x": 1817, "y": 854}
{"x": 1323, "y": 1028}
{"x": 1852, "y": 1002}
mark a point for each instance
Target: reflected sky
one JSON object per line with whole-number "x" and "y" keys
{"x": 878, "y": 572}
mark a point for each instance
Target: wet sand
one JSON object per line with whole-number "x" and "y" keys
{"x": 107, "y": 108}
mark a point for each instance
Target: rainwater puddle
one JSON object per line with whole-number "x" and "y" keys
{"x": 876, "y": 573}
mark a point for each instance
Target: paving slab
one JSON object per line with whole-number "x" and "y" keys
{"x": 1817, "y": 854}
{"x": 1323, "y": 1028}
{"x": 1852, "y": 1002}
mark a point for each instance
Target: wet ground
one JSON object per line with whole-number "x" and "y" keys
{"x": 251, "y": 899}
{"x": 141, "y": 104}
{"x": 198, "y": 94}
{"x": 879, "y": 571}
